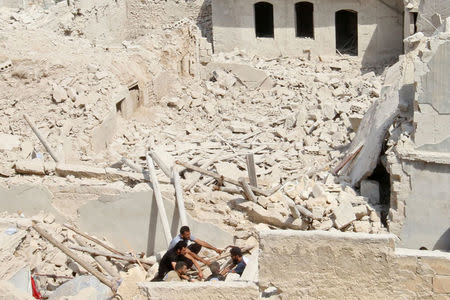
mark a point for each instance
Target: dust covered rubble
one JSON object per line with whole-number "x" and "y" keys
{"x": 22, "y": 247}
{"x": 297, "y": 120}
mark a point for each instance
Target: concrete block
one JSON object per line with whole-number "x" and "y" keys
{"x": 441, "y": 284}
{"x": 79, "y": 171}
{"x": 199, "y": 290}
{"x": 343, "y": 215}
{"x": 31, "y": 167}
{"x": 103, "y": 135}
{"x": 9, "y": 142}
{"x": 371, "y": 190}
{"x": 74, "y": 286}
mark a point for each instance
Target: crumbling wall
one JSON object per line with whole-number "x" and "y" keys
{"x": 155, "y": 14}
{"x": 419, "y": 160}
{"x": 316, "y": 264}
{"x": 380, "y": 29}
{"x": 432, "y": 13}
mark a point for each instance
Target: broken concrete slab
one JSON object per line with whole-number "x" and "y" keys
{"x": 260, "y": 215}
{"x": 9, "y": 142}
{"x": 250, "y": 77}
{"x": 343, "y": 215}
{"x": 74, "y": 286}
{"x": 138, "y": 215}
{"x": 28, "y": 199}
{"x": 30, "y": 167}
{"x": 371, "y": 190}
{"x": 79, "y": 171}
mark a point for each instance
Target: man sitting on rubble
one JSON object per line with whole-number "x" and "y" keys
{"x": 195, "y": 247}
{"x": 239, "y": 262}
{"x": 179, "y": 273}
{"x": 178, "y": 253}
{"x": 215, "y": 272}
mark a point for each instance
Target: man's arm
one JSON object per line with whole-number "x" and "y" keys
{"x": 196, "y": 257}
{"x": 200, "y": 273}
{"x": 207, "y": 245}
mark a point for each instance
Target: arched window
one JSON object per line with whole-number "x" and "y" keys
{"x": 264, "y": 20}
{"x": 347, "y": 32}
{"x": 305, "y": 20}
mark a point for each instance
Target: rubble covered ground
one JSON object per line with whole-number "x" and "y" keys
{"x": 297, "y": 120}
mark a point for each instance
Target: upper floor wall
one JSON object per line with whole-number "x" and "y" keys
{"x": 377, "y": 26}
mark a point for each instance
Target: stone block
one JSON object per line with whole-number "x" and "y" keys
{"x": 360, "y": 211}
{"x": 441, "y": 284}
{"x": 79, "y": 171}
{"x": 31, "y": 167}
{"x": 343, "y": 215}
{"x": 74, "y": 286}
{"x": 371, "y": 190}
{"x": 103, "y": 134}
{"x": 9, "y": 142}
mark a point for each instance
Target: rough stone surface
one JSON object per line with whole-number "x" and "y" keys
{"x": 344, "y": 215}
{"x": 199, "y": 290}
{"x": 316, "y": 264}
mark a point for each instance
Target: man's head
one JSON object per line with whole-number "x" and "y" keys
{"x": 236, "y": 254}
{"x": 181, "y": 248}
{"x": 185, "y": 232}
{"x": 181, "y": 268}
{"x": 215, "y": 268}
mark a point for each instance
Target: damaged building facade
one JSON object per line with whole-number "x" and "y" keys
{"x": 371, "y": 29}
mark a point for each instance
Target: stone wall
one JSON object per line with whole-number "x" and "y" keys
{"x": 318, "y": 264}
{"x": 420, "y": 166}
{"x": 380, "y": 28}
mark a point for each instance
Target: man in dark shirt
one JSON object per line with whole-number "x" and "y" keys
{"x": 239, "y": 262}
{"x": 170, "y": 258}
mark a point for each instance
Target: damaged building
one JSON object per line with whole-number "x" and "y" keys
{"x": 370, "y": 29}
{"x": 310, "y": 135}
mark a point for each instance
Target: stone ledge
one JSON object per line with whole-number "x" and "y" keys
{"x": 327, "y": 234}
{"x": 199, "y": 290}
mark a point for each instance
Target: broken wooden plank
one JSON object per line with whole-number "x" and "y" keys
{"x": 92, "y": 239}
{"x": 347, "y": 159}
{"x": 112, "y": 285}
{"x": 247, "y": 190}
{"x": 41, "y": 138}
{"x": 96, "y": 252}
{"x": 101, "y": 260}
{"x": 158, "y": 198}
{"x": 204, "y": 166}
{"x": 221, "y": 178}
{"x": 251, "y": 169}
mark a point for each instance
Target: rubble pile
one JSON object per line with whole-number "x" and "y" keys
{"x": 24, "y": 248}
{"x": 296, "y": 116}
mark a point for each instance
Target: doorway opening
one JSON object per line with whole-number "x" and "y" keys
{"x": 305, "y": 22}
{"x": 347, "y": 32}
{"x": 264, "y": 20}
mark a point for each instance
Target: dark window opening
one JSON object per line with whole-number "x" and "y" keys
{"x": 347, "y": 32}
{"x": 119, "y": 106}
{"x": 264, "y": 20}
{"x": 305, "y": 21}
{"x": 415, "y": 21}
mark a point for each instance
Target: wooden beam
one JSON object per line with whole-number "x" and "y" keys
{"x": 112, "y": 285}
{"x": 41, "y": 138}
{"x": 251, "y": 169}
{"x": 221, "y": 178}
{"x": 247, "y": 190}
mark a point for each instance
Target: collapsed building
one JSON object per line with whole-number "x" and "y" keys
{"x": 349, "y": 159}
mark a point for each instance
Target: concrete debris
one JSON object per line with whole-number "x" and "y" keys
{"x": 104, "y": 95}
